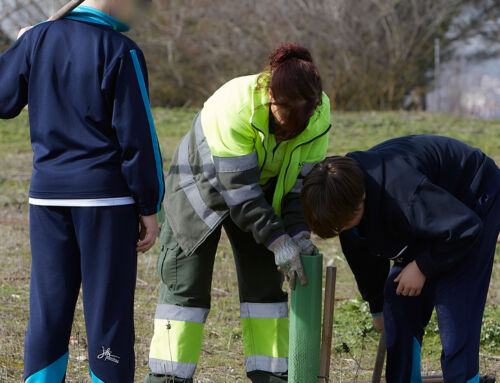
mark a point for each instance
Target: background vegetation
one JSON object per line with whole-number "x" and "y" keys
{"x": 373, "y": 54}
{"x": 222, "y": 356}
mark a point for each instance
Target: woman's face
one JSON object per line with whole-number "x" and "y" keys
{"x": 282, "y": 113}
{"x": 277, "y": 111}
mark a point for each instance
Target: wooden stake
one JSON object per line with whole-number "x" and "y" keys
{"x": 379, "y": 361}
{"x": 432, "y": 379}
{"x": 328, "y": 315}
{"x": 64, "y": 11}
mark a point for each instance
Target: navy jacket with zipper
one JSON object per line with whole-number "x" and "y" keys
{"x": 91, "y": 127}
{"x": 425, "y": 199}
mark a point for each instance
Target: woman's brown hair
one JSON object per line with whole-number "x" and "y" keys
{"x": 332, "y": 195}
{"x": 296, "y": 87}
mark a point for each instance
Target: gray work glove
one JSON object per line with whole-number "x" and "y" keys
{"x": 287, "y": 256}
{"x": 303, "y": 240}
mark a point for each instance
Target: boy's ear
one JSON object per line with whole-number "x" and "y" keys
{"x": 364, "y": 196}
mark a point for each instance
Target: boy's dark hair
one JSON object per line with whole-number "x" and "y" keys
{"x": 332, "y": 194}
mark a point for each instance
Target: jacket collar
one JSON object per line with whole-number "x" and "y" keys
{"x": 92, "y": 15}
{"x": 319, "y": 122}
{"x": 382, "y": 218}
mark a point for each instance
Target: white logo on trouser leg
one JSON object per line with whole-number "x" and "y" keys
{"x": 108, "y": 355}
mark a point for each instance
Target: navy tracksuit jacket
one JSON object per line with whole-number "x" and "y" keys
{"x": 434, "y": 200}
{"x": 97, "y": 166}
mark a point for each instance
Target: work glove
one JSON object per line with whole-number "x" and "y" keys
{"x": 287, "y": 256}
{"x": 303, "y": 240}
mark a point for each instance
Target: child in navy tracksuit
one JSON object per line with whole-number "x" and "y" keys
{"x": 96, "y": 188}
{"x": 432, "y": 205}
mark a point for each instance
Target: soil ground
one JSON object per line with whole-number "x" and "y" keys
{"x": 222, "y": 356}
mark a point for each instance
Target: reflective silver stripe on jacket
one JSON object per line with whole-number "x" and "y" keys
{"x": 266, "y": 363}
{"x": 168, "y": 367}
{"x": 235, "y": 197}
{"x": 306, "y": 168}
{"x": 188, "y": 184}
{"x": 236, "y": 164}
{"x": 183, "y": 314}
{"x": 297, "y": 188}
{"x": 208, "y": 166}
{"x": 264, "y": 310}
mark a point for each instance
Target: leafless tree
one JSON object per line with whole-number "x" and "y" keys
{"x": 16, "y": 14}
{"x": 372, "y": 54}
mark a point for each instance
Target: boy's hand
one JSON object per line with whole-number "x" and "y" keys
{"x": 411, "y": 281}
{"x": 23, "y": 31}
{"x": 148, "y": 233}
{"x": 378, "y": 323}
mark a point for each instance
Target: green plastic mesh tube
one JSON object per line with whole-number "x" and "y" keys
{"x": 305, "y": 324}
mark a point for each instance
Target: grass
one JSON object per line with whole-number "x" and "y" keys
{"x": 222, "y": 357}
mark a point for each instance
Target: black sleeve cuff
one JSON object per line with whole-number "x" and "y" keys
{"x": 426, "y": 264}
{"x": 376, "y": 304}
{"x": 297, "y": 228}
{"x": 146, "y": 211}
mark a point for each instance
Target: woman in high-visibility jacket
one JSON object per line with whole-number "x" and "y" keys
{"x": 240, "y": 167}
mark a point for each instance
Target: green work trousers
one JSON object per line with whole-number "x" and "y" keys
{"x": 184, "y": 303}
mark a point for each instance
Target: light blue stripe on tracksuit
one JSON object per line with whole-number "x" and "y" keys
{"x": 95, "y": 379}
{"x": 54, "y": 372}
{"x": 154, "y": 137}
{"x": 416, "y": 374}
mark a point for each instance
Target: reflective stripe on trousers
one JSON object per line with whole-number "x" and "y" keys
{"x": 265, "y": 336}
{"x": 177, "y": 340}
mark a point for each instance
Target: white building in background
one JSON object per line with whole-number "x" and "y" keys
{"x": 468, "y": 86}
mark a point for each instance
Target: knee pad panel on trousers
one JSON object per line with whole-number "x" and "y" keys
{"x": 265, "y": 336}
{"x": 177, "y": 340}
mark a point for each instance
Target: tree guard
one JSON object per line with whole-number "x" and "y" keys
{"x": 305, "y": 324}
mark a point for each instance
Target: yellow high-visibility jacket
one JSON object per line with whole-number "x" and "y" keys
{"x": 229, "y": 160}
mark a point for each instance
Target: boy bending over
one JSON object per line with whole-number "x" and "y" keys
{"x": 432, "y": 205}
{"x": 97, "y": 169}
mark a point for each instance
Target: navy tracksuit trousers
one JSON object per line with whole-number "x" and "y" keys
{"x": 94, "y": 248}
{"x": 459, "y": 297}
